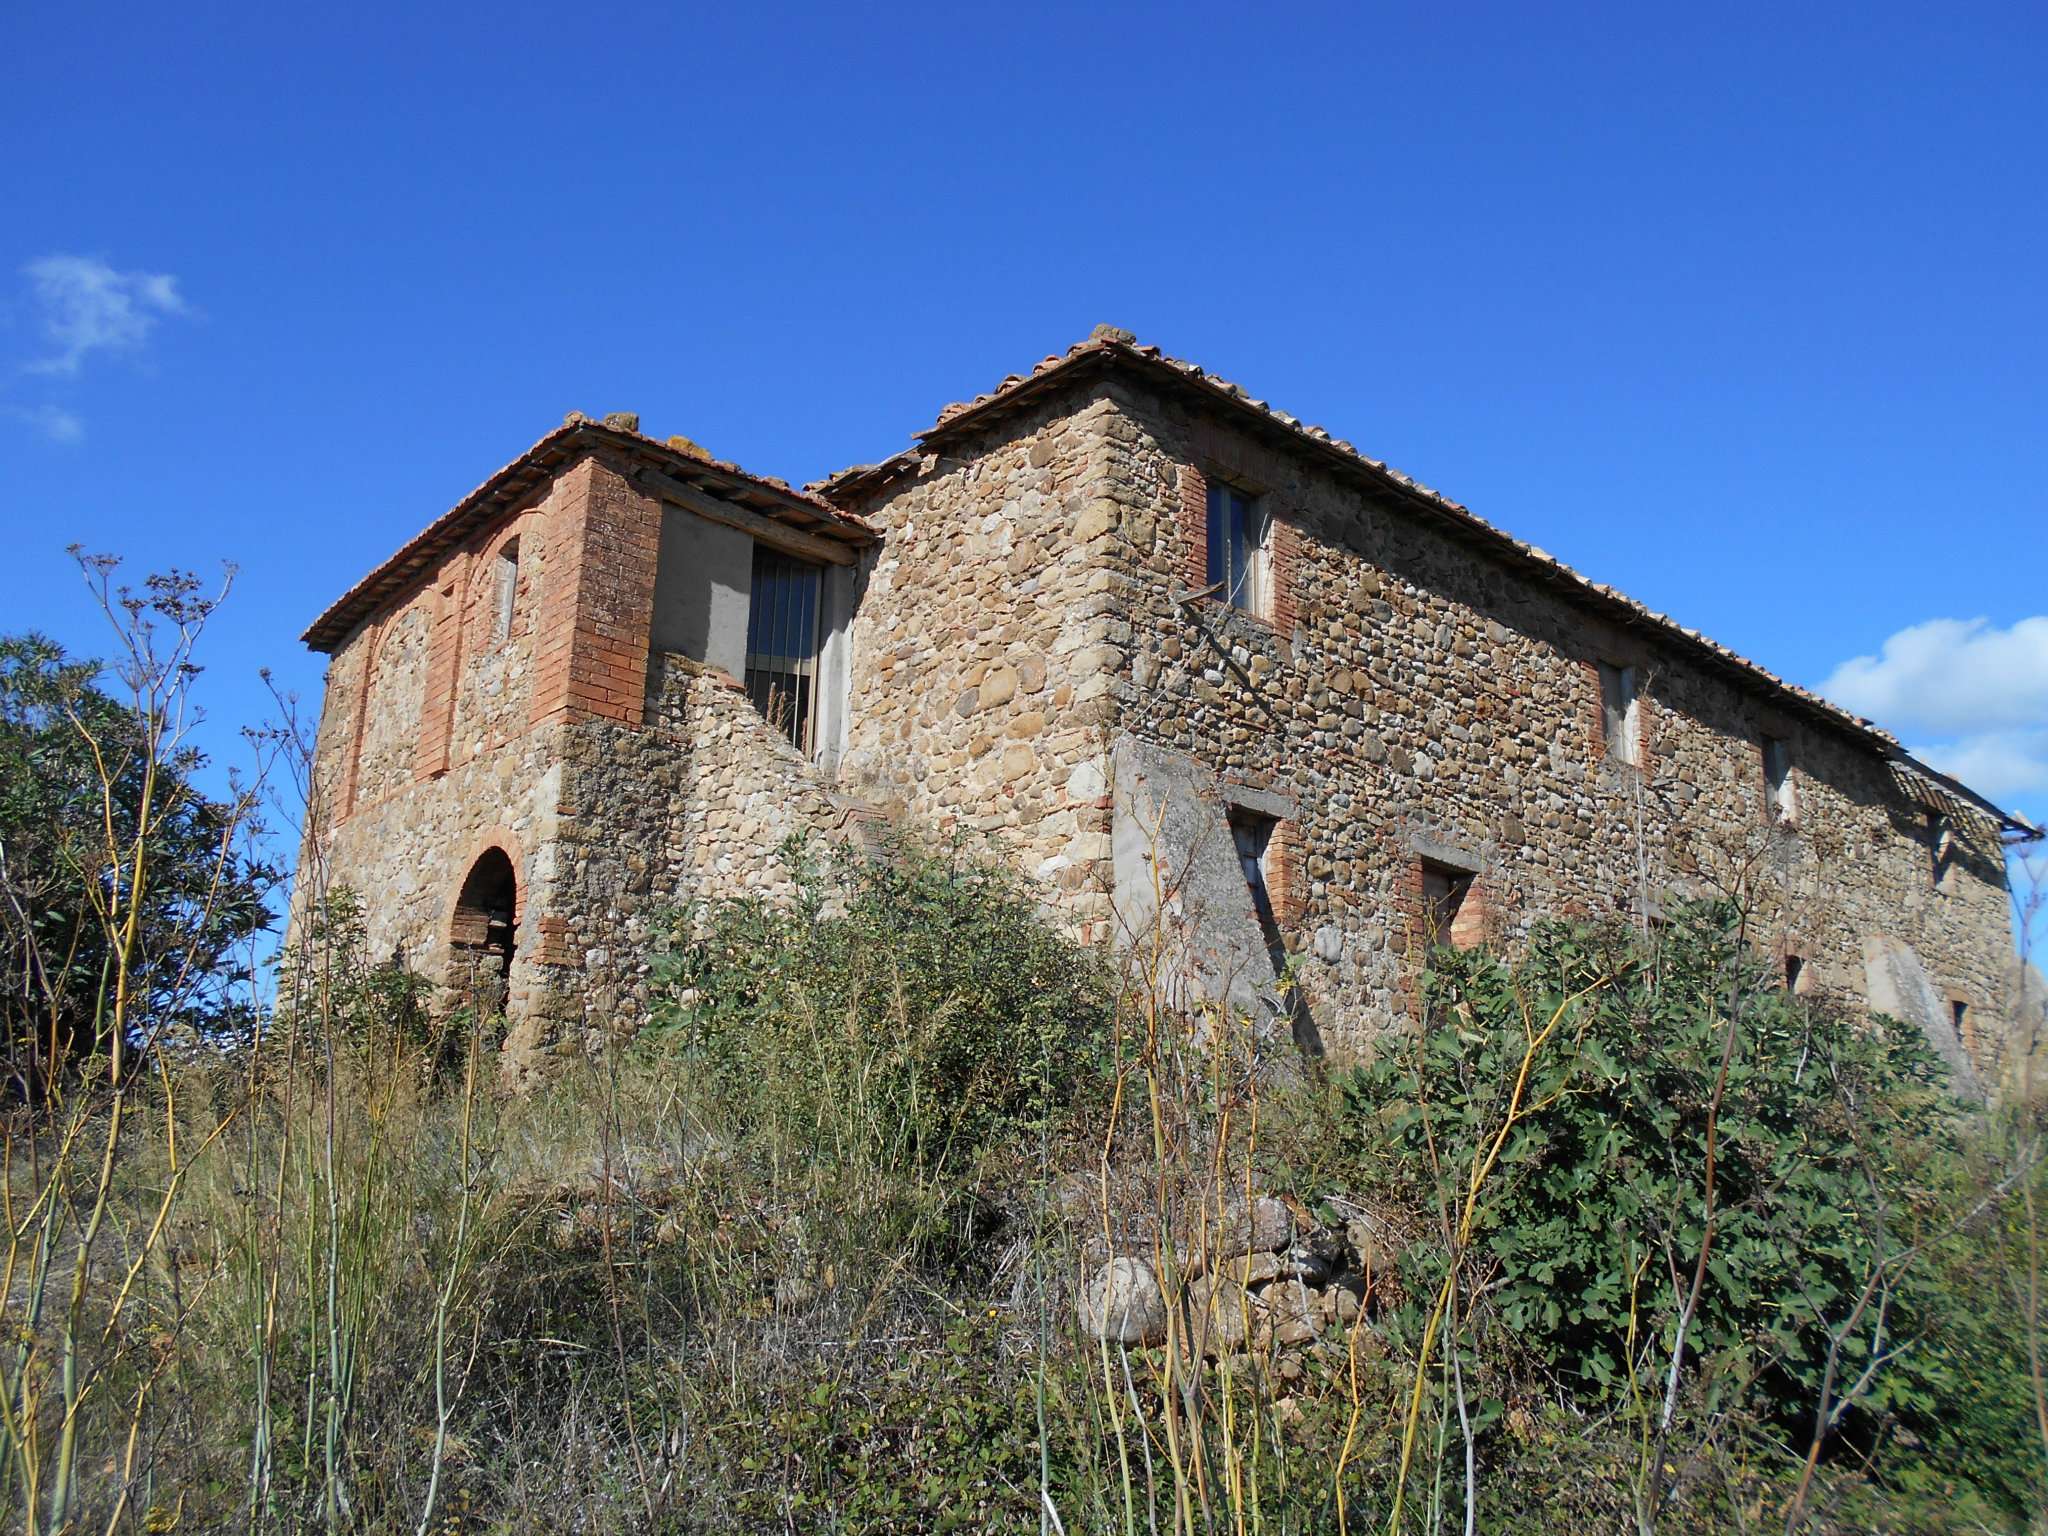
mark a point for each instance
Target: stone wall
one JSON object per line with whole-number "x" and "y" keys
{"x": 1030, "y": 660}
{"x": 985, "y": 645}
{"x": 1414, "y": 697}
{"x": 695, "y": 805}
{"x": 428, "y": 754}
{"x": 620, "y": 788}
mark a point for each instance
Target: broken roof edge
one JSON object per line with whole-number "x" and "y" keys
{"x": 537, "y": 466}
{"x": 2007, "y": 821}
{"x": 1108, "y": 345}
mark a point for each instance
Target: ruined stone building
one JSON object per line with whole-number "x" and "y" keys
{"x": 1233, "y": 694}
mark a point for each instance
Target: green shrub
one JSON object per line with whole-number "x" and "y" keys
{"x": 1838, "y": 1150}
{"x": 906, "y": 1011}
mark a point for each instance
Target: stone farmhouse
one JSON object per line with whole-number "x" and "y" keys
{"x": 1237, "y": 698}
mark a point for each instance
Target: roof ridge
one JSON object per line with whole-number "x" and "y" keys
{"x": 1113, "y": 341}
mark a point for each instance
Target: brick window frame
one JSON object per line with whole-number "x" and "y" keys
{"x": 1413, "y": 859}
{"x": 485, "y": 589}
{"x": 1424, "y": 865}
{"x": 1279, "y": 608}
{"x": 1286, "y": 886}
{"x": 1595, "y": 694}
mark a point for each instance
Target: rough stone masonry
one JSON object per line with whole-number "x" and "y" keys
{"x": 1241, "y": 701}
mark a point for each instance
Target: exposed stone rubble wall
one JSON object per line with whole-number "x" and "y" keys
{"x": 985, "y": 647}
{"x": 694, "y": 807}
{"x": 1414, "y": 698}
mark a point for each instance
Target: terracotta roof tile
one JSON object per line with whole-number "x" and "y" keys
{"x": 1107, "y": 344}
{"x": 518, "y": 479}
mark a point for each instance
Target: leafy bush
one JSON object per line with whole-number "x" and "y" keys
{"x": 905, "y": 1011}
{"x": 78, "y": 766}
{"x": 1836, "y": 1159}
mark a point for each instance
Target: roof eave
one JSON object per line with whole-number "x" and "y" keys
{"x": 1107, "y": 347}
{"x": 557, "y": 451}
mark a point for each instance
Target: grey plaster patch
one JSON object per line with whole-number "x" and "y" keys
{"x": 1178, "y": 884}
{"x": 702, "y": 585}
{"x": 1898, "y": 984}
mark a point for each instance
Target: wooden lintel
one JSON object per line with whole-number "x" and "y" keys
{"x": 777, "y": 535}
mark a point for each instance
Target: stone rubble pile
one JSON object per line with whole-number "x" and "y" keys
{"x": 1256, "y": 1279}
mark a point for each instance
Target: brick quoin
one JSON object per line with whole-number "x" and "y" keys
{"x": 597, "y": 611}
{"x": 444, "y": 668}
{"x": 1285, "y": 540}
{"x": 1194, "y": 526}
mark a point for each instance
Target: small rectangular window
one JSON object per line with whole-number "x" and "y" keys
{"x": 1795, "y": 972}
{"x": 782, "y": 642}
{"x": 506, "y": 596}
{"x": 1447, "y": 907}
{"x": 1959, "y": 1016}
{"x": 1253, "y": 836}
{"x": 1620, "y": 718}
{"x": 1781, "y": 797}
{"x": 1941, "y": 850}
{"x": 1237, "y": 547}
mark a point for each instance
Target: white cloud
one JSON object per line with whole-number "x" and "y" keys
{"x": 85, "y": 306}
{"x": 53, "y": 421}
{"x": 1967, "y": 696}
{"x": 2007, "y": 766}
{"x": 1952, "y": 678}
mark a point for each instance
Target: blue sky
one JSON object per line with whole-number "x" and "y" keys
{"x": 1738, "y": 308}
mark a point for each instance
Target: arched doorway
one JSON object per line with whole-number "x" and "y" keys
{"x": 481, "y": 939}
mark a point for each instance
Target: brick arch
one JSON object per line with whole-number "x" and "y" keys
{"x": 485, "y": 910}
{"x": 523, "y": 529}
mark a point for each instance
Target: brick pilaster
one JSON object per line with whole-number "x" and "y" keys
{"x": 366, "y": 681}
{"x": 594, "y": 622}
{"x": 444, "y": 668}
{"x": 1285, "y": 542}
{"x": 1194, "y": 527}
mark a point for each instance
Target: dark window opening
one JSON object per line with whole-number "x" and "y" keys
{"x": 1941, "y": 850}
{"x": 782, "y": 643}
{"x": 1620, "y": 715}
{"x": 1448, "y": 911}
{"x": 1795, "y": 971}
{"x": 1782, "y": 807}
{"x": 506, "y": 596}
{"x": 1959, "y": 1016}
{"x": 486, "y": 919}
{"x": 1253, "y": 835}
{"x": 1237, "y": 547}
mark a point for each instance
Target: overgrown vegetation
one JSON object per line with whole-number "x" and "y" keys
{"x": 1822, "y": 1268}
{"x": 1654, "y": 1245}
{"x": 916, "y": 992}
